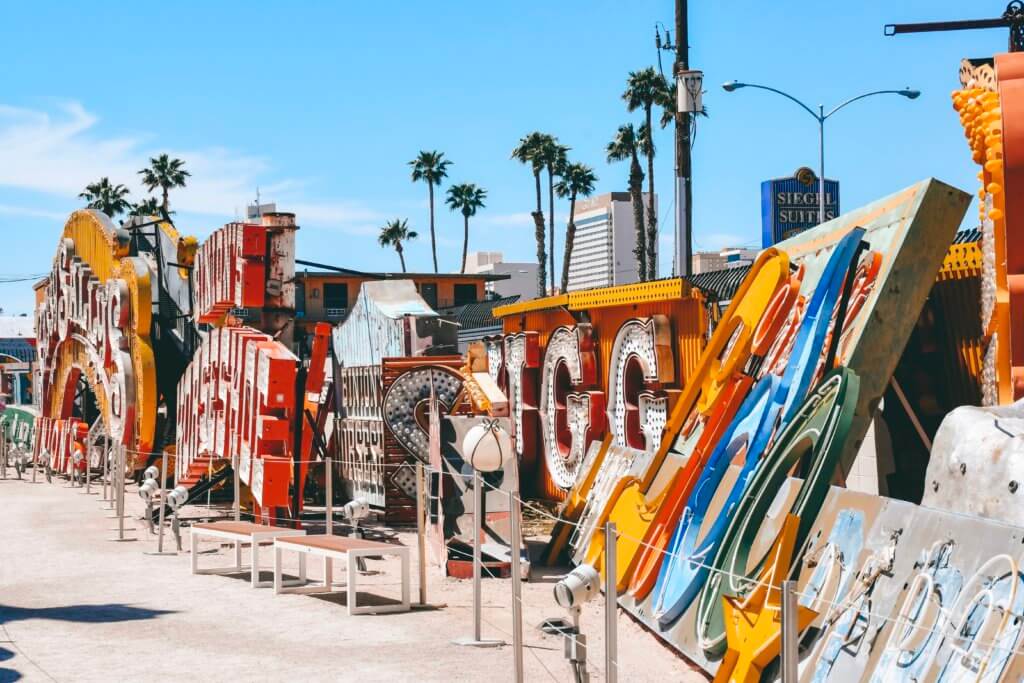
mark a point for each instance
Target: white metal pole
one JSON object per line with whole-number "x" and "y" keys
{"x": 119, "y": 476}
{"x": 238, "y": 487}
{"x": 3, "y": 453}
{"x": 821, "y": 164}
{"x": 329, "y": 496}
{"x": 89, "y": 440}
{"x": 163, "y": 501}
{"x": 106, "y": 470}
{"x": 611, "y": 605}
{"x": 478, "y": 505}
{"x": 421, "y": 541}
{"x": 517, "y": 590}
{"x": 789, "y": 632}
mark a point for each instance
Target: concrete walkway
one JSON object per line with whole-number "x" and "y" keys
{"x": 76, "y": 606}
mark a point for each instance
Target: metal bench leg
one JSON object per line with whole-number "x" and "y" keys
{"x": 255, "y": 562}
{"x": 194, "y": 547}
{"x": 238, "y": 555}
{"x": 351, "y": 588}
{"x": 302, "y": 567}
{"x": 277, "y": 570}
{"x": 328, "y": 572}
{"x": 405, "y": 581}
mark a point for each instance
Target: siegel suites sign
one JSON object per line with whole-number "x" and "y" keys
{"x": 790, "y": 205}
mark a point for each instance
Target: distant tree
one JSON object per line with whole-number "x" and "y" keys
{"x": 467, "y": 198}
{"x": 644, "y": 90}
{"x": 393, "y": 233}
{"x": 577, "y": 180}
{"x": 626, "y": 146}
{"x": 103, "y": 196}
{"x": 165, "y": 173}
{"x": 431, "y": 168}
{"x": 147, "y": 207}
{"x": 555, "y": 159}
{"x": 530, "y": 151}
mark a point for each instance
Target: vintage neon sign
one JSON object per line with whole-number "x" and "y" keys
{"x": 94, "y": 323}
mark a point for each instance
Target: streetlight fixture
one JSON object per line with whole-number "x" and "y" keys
{"x": 821, "y": 117}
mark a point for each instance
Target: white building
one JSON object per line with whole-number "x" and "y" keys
{"x": 522, "y": 279}
{"x": 602, "y": 253}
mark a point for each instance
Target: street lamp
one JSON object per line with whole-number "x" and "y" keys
{"x": 821, "y": 117}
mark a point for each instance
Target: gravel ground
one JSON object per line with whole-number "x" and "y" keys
{"x": 77, "y": 606}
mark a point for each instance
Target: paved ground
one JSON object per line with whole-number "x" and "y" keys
{"x": 76, "y": 606}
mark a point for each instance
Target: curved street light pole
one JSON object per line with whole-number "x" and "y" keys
{"x": 821, "y": 117}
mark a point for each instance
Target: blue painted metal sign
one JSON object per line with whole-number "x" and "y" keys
{"x": 790, "y": 205}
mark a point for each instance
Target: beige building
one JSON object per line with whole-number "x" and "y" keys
{"x": 522, "y": 277}
{"x": 730, "y": 257}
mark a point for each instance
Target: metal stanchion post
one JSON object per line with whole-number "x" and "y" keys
{"x": 329, "y": 496}
{"x": 517, "y": 589}
{"x": 163, "y": 501}
{"x": 238, "y": 487}
{"x": 119, "y": 478}
{"x": 106, "y": 469}
{"x": 35, "y": 466}
{"x": 478, "y": 509}
{"x": 611, "y": 605}
{"x": 88, "y": 451}
{"x": 421, "y": 541}
{"x": 789, "y": 632}
{"x": 3, "y": 454}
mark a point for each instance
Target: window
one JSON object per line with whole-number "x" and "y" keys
{"x": 465, "y": 294}
{"x": 428, "y": 290}
{"x": 300, "y": 299}
{"x": 335, "y": 299}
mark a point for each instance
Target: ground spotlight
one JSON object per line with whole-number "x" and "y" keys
{"x": 577, "y": 587}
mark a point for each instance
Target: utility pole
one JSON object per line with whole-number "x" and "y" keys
{"x": 684, "y": 186}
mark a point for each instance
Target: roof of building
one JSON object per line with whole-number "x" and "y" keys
{"x": 325, "y": 270}
{"x": 15, "y": 326}
{"x": 722, "y": 284}
{"x": 478, "y": 314}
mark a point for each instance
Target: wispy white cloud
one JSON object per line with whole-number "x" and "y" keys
{"x": 59, "y": 152}
{"x": 513, "y": 220}
{"x": 9, "y": 210}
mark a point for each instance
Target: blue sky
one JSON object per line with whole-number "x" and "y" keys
{"x": 322, "y": 104}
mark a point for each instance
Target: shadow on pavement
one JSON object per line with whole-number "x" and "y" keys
{"x": 82, "y": 613}
{"x": 7, "y": 675}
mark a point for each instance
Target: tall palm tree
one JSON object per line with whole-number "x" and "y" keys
{"x": 393, "y": 233}
{"x": 529, "y": 151}
{"x": 577, "y": 181}
{"x": 466, "y": 198}
{"x": 645, "y": 89}
{"x": 555, "y": 159}
{"x": 431, "y": 168}
{"x": 147, "y": 207}
{"x": 165, "y": 173}
{"x": 625, "y": 146}
{"x": 102, "y": 196}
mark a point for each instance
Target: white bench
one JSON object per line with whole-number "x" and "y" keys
{"x": 243, "y": 532}
{"x": 342, "y": 548}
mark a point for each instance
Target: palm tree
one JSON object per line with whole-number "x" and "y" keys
{"x": 165, "y": 173}
{"x": 645, "y": 89}
{"x": 393, "y": 233}
{"x": 554, "y": 157}
{"x": 147, "y": 207}
{"x": 577, "y": 181}
{"x": 528, "y": 151}
{"x": 432, "y": 168}
{"x": 102, "y": 196}
{"x": 625, "y": 146}
{"x": 467, "y": 198}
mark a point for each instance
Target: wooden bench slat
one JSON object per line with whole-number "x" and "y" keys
{"x": 337, "y": 543}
